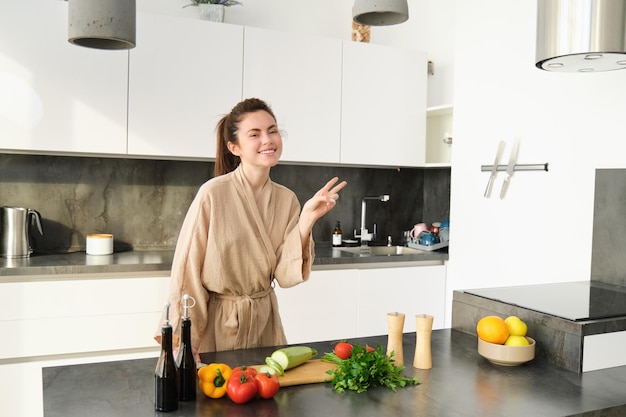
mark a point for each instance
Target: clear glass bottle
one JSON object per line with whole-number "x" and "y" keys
{"x": 337, "y": 236}
{"x": 186, "y": 363}
{"x": 165, "y": 374}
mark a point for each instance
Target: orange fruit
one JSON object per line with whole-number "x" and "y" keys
{"x": 492, "y": 329}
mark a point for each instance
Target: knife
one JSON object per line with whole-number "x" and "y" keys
{"x": 510, "y": 169}
{"x": 494, "y": 169}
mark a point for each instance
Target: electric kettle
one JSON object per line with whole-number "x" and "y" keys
{"x": 15, "y": 231}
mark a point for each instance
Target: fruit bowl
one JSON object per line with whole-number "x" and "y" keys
{"x": 507, "y": 355}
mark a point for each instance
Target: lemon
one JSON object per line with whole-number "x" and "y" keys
{"x": 516, "y": 326}
{"x": 516, "y": 341}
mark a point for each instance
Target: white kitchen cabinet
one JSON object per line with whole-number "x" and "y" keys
{"x": 439, "y": 135}
{"x": 184, "y": 75}
{"x": 383, "y": 105}
{"x": 56, "y": 96}
{"x": 300, "y": 78}
{"x": 323, "y": 308}
{"x": 80, "y": 315}
{"x": 408, "y": 290}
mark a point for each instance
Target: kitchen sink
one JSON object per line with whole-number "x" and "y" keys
{"x": 382, "y": 250}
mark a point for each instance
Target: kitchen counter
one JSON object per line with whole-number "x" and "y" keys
{"x": 326, "y": 257}
{"x": 461, "y": 383}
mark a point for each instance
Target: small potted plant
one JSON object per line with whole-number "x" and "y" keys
{"x": 213, "y": 9}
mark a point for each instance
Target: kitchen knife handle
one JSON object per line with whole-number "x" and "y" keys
{"x": 489, "y": 186}
{"x": 505, "y": 186}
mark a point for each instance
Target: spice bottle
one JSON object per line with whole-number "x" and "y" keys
{"x": 337, "y": 234}
{"x": 423, "y": 332}
{"x": 186, "y": 363}
{"x": 395, "y": 326}
{"x": 165, "y": 379}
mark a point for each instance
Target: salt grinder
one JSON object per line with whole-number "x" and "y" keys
{"x": 424, "y": 328}
{"x": 395, "y": 326}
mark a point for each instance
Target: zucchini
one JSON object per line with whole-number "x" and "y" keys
{"x": 293, "y": 356}
{"x": 266, "y": 369}
{"x": 278, "y": 370}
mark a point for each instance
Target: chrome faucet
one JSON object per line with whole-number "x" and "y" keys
{"x": 365, "y": 235}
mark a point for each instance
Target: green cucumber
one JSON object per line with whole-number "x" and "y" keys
{"x": 293, "y": 356}
{"x": 278, "y": 370}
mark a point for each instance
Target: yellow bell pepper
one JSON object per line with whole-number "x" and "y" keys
{"x": 212, "y": 379}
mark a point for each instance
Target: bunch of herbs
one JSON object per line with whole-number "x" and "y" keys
{"x": 366, "y": 368}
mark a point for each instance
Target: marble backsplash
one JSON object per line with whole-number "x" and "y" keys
{"x": 143, "y": 202}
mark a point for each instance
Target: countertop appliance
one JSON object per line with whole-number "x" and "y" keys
{"x": 577, "y": 300}
{"x": 15, "y": 231}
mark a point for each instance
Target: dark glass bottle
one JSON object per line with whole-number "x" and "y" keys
{"x": 165, "y": 374}
{"x": 186, "y": 363}
{"x": 337, "y": 234}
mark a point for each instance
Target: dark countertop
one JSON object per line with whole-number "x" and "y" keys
{"x": 326, "y": 257}
{"x": 461, "y": 383}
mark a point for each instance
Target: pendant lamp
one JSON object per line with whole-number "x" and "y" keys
{"x": 380, "y": 12}
{"x": 102, "y": 24}
{"x": 581, "y": 35}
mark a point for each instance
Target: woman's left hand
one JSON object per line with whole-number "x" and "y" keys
{"x": 321, "y": 203}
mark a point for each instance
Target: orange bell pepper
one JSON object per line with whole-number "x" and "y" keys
{"x": 213, "y": 378}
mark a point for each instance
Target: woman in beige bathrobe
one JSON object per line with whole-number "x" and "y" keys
{"x": 242, "y": 232}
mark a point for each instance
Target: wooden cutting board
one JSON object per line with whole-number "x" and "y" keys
{"x": 311, "y": 372}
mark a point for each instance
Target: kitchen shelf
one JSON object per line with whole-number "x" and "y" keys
{"x": 438, "y": 127}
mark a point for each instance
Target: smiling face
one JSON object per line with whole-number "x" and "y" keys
{"x": 259, "y": 143}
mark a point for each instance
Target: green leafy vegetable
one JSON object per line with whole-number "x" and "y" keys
{"x": 366, "y": 369}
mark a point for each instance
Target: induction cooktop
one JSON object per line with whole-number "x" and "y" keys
{"x": 577, "y": 301}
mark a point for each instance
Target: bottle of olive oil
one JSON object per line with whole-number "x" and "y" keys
{"x": 186, "y": 363}
{"x": 165, "y": 374}
{"x": 337, "y": 234}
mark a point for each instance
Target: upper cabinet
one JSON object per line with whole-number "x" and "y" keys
{"x": 57, "y": 97}
{"x": 184, "y": 75}
{"x": 383, "y": 105}
{"x": 337, "y": 102}
{"x": 300, "y": 78}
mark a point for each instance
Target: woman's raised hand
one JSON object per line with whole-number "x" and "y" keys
{"x": 321, "y": 203}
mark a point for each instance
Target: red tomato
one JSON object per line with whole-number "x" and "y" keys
{"x": 248, "y": 370}
{"x": 241, "y": 388}
{"x": 267, "y": 385}
{"x": 343, "y": 350}
{"x": 369, "y": 348}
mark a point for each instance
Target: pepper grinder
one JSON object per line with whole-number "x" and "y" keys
{"x": 424, "y": 328}
{"x": 395, "y": 326}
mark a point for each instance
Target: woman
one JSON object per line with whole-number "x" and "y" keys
{"x": 241, "y": 232}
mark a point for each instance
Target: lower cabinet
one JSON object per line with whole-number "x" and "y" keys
{"x": 323, "y": 308}
{"x": 408, "y": 290}
{"x": 78, "y": 316}
{"x": 343, "y": 304}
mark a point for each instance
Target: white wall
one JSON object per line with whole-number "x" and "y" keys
{"x": 541, "y": 232}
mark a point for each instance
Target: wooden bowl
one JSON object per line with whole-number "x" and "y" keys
{"x": 507, "y": 355}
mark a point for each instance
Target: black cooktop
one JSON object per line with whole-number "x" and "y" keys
{"x": 577, "y": 301}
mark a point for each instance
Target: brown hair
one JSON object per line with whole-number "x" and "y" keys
{"x": 227, "y": 129}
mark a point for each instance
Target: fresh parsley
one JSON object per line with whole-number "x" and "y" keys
{"x": 365, "y": 369}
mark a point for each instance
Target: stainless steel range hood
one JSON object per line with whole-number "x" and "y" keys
{"x": 581, "y": 35}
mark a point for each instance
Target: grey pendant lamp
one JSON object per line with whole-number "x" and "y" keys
{"x": 380, "y": 12}
{"x": 102, "y": 24}
{"x": 581, "y": 35}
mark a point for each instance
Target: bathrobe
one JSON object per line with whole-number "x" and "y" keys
{"x": 230, "y": 251}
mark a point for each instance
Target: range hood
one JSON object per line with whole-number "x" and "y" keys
{"x": 581, "y": 35}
